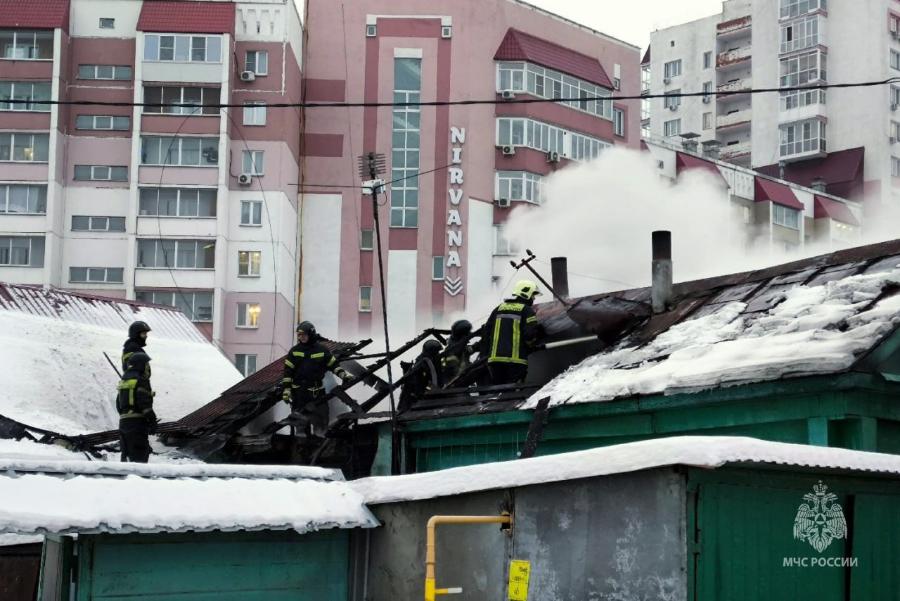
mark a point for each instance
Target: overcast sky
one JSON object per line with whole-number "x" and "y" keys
{"x": 631, "y": 20}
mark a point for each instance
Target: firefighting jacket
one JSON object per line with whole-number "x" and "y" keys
{"x": 511, "y": 332}
{"x": 305, "y": 366}
{"x": 135, "y": 398}
{"x": 131, "y": 346}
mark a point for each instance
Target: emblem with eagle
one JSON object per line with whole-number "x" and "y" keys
{"x": 820, "y": 519}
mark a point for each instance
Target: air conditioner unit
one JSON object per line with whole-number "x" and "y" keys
{"x": 895, "y": 106}
{"x": 446, "y": 31}
{"x": 248, "y": 76}
{"x": 666, "y": 80}
{"x": 617, "y": 83}
{"x": 508, "y": 150}
{"x": 895, "y": 34}
{"x": 552, "y": 157}
{"x": 503, "y": 203}
{"x": 507, "y": 94}
{"x": 673, "y": 107}
{"x": 245, "y": 179}
{"x": 707, "y": 99}
{"x": 371, "y": 31}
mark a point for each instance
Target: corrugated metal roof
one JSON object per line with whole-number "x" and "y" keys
{"x": 166, "y": 322}
{"x": 775, "y": 192}
{"x": 186, "y": 16}
{"x": 36, "y": 14}
{"x": 520, "y": 46}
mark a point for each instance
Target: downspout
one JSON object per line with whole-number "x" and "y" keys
{"x": 431, "y": 590}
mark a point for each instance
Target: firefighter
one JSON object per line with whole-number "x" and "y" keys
{"x": 423, "y": 375}
{"x": 305, "y": 367}
{"x": 456, "y": 355}
{"x": 137, "y": 420}
{"x": 510, "y": 334}
{"x": 137, "y": 340}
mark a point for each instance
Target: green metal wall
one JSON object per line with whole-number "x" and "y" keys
{"x": 270, "y": 566}
{"x": 741, "y": 537}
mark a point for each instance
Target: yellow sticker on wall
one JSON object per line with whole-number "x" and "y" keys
{"x": 519, "y": 570}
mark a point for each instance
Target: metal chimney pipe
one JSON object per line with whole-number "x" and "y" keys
{"x": 661, "y": 291}
{"x": 559, "y": 272}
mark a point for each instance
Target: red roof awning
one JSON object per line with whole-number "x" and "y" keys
{"x": 841, "y": 170}
{"x": 684, "y": 162}
{"x": 520, "y": 46}
{"x": 174, "y": 16}
{"x": 832, "y": 209}
{"x": 35, "y": 14}
{"x": 780, "y": 194}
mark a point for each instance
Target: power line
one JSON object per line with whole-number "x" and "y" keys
{"x": 492, "y": 101}
{"x": 393, "y": 181}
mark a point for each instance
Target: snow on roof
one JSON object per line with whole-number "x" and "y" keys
{"x": 171, "y": 498}
{"x": 56, "y": 377}
{"x": 696, "y": 451}
{"x": 815, "y": 329}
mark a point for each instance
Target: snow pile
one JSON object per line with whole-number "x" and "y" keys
{"x": 817, "y": 329}
{"x": 143, "y": 504}
{"x": 55, "y": 376}
{"x": 696, "y": 451}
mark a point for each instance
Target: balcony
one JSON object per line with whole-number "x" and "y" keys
{"x": 732, "y": 89}
{"x": 735, "y": 151}
{"x": 733, "y": 57}
{"x": 734, "y": 120}
{"x": 734, "y": 26}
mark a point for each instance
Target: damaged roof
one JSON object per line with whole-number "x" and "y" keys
{"x": 825, "y": 314}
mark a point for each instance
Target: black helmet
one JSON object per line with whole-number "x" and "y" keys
{"x": 461, "y": 328}
{"x": 137, "y": 328}
{"x": 307, "y": 327}
{"x": 137, "y": 361}
{"x": 432, "y": 347}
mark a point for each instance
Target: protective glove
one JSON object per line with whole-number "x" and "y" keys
{"x": 286, "y": 395}
{"x": 152, "y": 420}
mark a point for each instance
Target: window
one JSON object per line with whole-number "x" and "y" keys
{"x": 29, "y": 96}
{"x": 180, "y": 151}
{"x": 672, "y": 69}
{"x": 795, "y": 8}
{"x": 117, "y": 72}
{"x": 85, "y": 223}
{"x": 255, "y": 113}
{"x": 895, "y": 131}
{"x": 672, "y": 101}
{"x": 365, "y": 299}
{"x": 895, "y": 97}
{"x": 895, "y": 60}
{"x": 198, "y": 306}
{"x": 178, "y": 202}
{"x": 802, "y": 137}
{"x": 246, "y": 364}
{"x": 547, "y": 83}
{"x": 24, "y": 148}
{"x": 672, "y": 128}
{"x": 183, "y": 48}
{"x": 102, "y": 122}
{"x": 707, "y": 60}
{"x": 619, "y": 122}
{"x": 177, "y": 254}
{"x": 786, "y": 217}
{"x": 520, "y": 185}
{"x": 792, "y": 100}
{"x": 707, "y": 120}
{"x": 800, "y": 34}
{"x": 516, "y": 131}
{"x": 707, "y": 89}
{"x": 26, "y": 45}
{"x": 106, "y": 23}
{"x": 405, "y": 143}
{"x": 22, "y": 251}
{"x": 100, "y": 173}
{"x": 257, "y": 61}
{"x": 165, "y": 100}
{"x": 893, "y": 22}
{"x": 248, "y": 315}
{"x": 251, "y": 212}
{"x": 23, "y": 199}
{"x": 96, "y": 275}
{"x": 437, "y": 268}
{"x": 803, "y": 69}
{"x": 249, "y": 263}
{"x": 503, "y": 246}
{"x": 367, "y": 240}
{"x": 253, "y": 162}
{"x": 895, "y": 167}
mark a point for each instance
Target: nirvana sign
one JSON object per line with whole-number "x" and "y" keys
{"x": 453, "y": 277}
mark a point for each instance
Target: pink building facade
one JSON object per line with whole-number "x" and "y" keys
{"x": 442, "y": 230}
{"x": 175, "y": 205}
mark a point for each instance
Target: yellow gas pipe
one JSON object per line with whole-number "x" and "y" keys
{"x": 431, "y": 591}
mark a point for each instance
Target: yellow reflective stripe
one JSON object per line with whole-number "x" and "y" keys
{"x": 299, "y": 354}
{"x": 332, "y": 361}
{"x": 127, "y": 384}
{"x": 125, "y": 356}
{"x": 496, "y": 341}
{"x": 511, "y": 307}
{"x": 532, "y": 319}
{"x": 288, "y": 363}
{"x": 507, "y": 360}
{"x": 317, "y": 356}
{"x": 287, "y": 380}
{"x": 517, "y": 340}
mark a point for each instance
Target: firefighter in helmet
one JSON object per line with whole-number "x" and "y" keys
{"x": 134, "y": 402}
{"x": 305, "y": 367}
{"x": 510, "y": 334}
{"x": 457, "y": 353}
{"x": 422, "y": 376}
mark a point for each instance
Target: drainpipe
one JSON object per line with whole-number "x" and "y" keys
{"x": 661, "y": 290}
{"x": 431, "y": 591}
{"x": 559, "y": 272}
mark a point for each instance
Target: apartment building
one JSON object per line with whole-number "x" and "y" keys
{"x": 168, "y": 203}
{"x": 848, "y": 138}
{"x": 443, "y": 230}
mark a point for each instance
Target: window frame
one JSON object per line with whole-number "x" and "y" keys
{"x": 35, "y": 35}
{"x": 529, "y": 185}
{"x": 115, "y": 72}
{"x": 176, "y": 244}
{"x": 182, "y": 44}
{"x": 6, "y": 195}
{"x": 179, "y": 201}
{"x": 672, "y": 69}
{"x": 619, "y": 122}
{"x": 241, "y": 362}
{"x": 255, "y": 65}
{"x": 792, "y": 144}
{"x": 178, "y": 104}
{"x": 251, "y": 204}
{"x": 167, "y": 144}
{"x": 246, "y": 314}
{"x": 107, "y": 23}
{"x": 33, "y": 106}
{"x": 675, "y": 124}
{"x": 13, "y": 139}
{"x": 113, "y": 169}
{"x": 6, "y": 243}
{"x": 252, "y": 154}
{"x": 254, "y": 113}
{"x": 541, "y": 82}
{"x": 365, "y": 296}
{"x": 91, "y": 219}
{"x": 106, "y": 275}
{"x": 362, "y": 240}
{"x": 112, "y": 123}
{"x": 194, "y": 316}
{"x": 438, "y": 268}
{"x": 249, "y": 263}
{"x": 544, "y": 137}
{"x": 785, "y": 217}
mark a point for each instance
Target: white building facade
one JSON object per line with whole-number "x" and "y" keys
{"x": 755, "y": 44}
